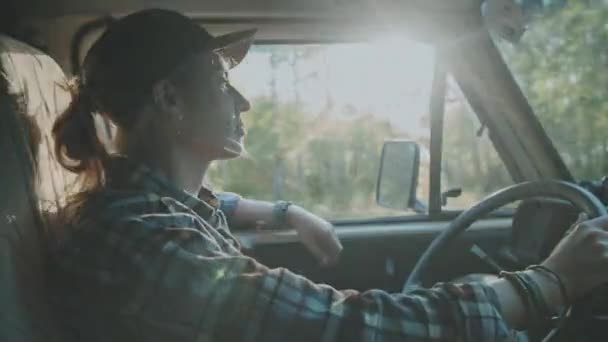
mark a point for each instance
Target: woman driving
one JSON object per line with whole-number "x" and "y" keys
{"x": 148, "y": 254}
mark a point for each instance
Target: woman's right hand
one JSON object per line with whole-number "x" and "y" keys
{"x": 581, "y": 257}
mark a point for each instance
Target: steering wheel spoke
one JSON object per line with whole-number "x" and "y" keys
{"x": 486, "y": 258}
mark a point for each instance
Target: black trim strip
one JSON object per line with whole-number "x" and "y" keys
{"x": 436, "y": 109}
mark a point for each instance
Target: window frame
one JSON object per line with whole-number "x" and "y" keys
{"x": 437, "y": 116}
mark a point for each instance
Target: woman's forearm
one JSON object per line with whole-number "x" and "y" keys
{"x": 251, "y": 214}
{"x": 511, "y": 304}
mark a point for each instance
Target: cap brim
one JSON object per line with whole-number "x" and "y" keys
{"x": 234, "y": 46}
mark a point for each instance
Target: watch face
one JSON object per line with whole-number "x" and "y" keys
{"x": 279, "y": 214}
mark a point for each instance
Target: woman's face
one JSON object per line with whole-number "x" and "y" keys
{"x": 210, "y": 122}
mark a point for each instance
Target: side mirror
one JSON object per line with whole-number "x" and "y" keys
{"x": 398, "y": 176}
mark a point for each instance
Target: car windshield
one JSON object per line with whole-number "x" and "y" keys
{"x": 561, "y": 64}
{"x": 320, "y": 114}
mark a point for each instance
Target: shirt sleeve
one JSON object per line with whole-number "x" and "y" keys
{"x": 228, "y": 203}
{"x": 212, "y": 295}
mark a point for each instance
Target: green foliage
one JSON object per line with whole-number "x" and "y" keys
{"x": 470, "y": 161}
{"x": 325, "y": 164}
{"x": 562, "y": 66}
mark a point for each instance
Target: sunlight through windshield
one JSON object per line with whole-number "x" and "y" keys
{"x": 320, "y": 114}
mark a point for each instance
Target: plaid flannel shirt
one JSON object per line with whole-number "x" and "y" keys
{"x": 149, "y": 262}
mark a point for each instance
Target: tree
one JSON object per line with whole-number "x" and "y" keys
{"x": 329, "y": 165}
{"x": 562, "y": 66}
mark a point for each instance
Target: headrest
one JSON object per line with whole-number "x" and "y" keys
{"x": 38, "y": 87}
{"x": 32, "y": 95}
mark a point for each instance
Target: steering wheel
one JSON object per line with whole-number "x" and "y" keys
{"x": 579, "y": 197}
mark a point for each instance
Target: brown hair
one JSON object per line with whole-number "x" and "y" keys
{"x": 79, "y": 150}
{"x": 78, "y": 147}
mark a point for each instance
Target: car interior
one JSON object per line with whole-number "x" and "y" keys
{"x": 43, "y": 42}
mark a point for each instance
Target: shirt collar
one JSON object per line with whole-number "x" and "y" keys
{"x": 127, "y": 174}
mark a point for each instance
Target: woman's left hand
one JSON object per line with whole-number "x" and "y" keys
{"x": 316, "y": 234}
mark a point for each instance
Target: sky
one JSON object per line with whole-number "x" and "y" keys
{"x": 390, "y": 78}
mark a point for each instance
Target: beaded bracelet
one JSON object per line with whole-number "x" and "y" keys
{"x": 537, "y": 296}
{"x": 558, "y": 280}
{"x": 522, "y": 290}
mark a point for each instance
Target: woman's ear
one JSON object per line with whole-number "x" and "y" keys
{"x": 170, "y": 109}
{"x": 166, "y": 98}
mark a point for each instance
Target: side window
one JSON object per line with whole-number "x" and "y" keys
{"x": 470, "y": 162}
{"x": 320, "y": 114}
{"x": 560, "y": 65}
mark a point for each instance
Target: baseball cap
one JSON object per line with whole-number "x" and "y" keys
{"x": 142, "y": 48}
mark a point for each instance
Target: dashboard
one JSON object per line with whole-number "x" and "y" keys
{"x": 538, "y": 225}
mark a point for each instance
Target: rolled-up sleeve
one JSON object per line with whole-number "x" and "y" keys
{"x": 228, "y": 203}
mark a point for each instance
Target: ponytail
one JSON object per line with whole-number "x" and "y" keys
{"x": 77, "y": 146}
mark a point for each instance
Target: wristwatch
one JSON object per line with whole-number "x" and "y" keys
{"x": 279, "y": 214}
